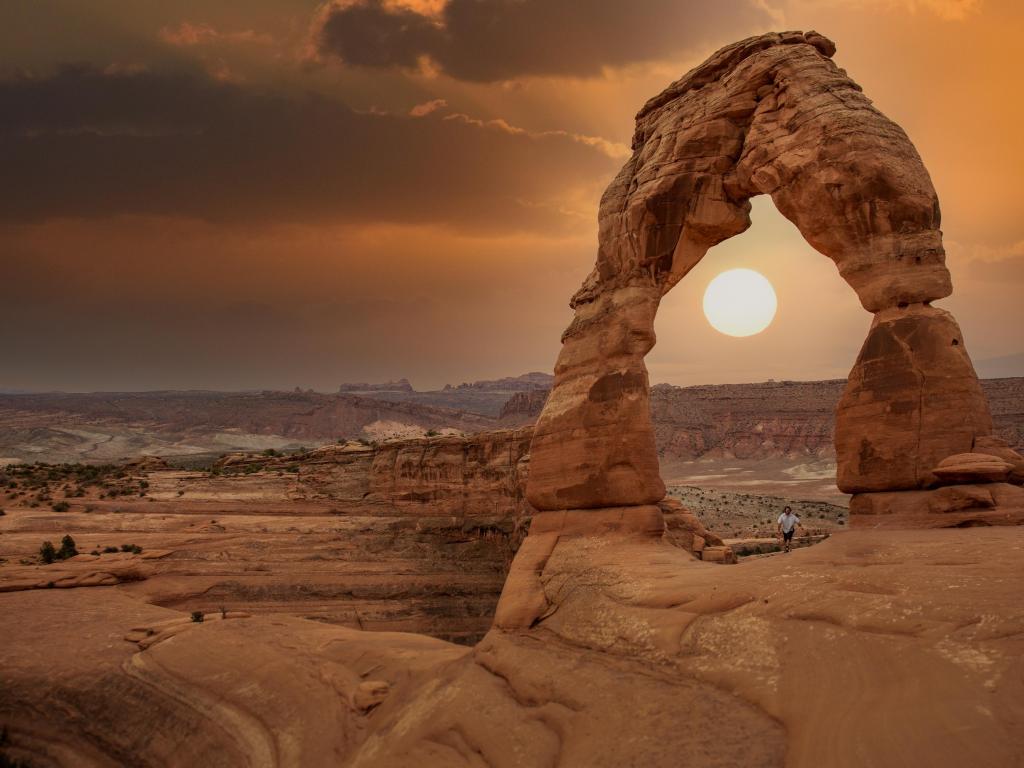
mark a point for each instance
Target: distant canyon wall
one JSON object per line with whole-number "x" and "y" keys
{"x": 744, "y": 421}
{"x": 786, "y": 419}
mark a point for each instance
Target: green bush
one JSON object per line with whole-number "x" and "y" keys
{"x": 67, "y": 548}
{"x": 133, "y": 548}
{"x": 61, "y": 506}
{"x": 197, "y": 617}
{"x": 110, "y": 549}
{"x": 47, "y": 553}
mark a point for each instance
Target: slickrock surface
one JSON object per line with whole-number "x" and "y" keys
{"x": 768, "y": 115}
{"x": 873, "y": 648}
{"x": 412, "y": 535}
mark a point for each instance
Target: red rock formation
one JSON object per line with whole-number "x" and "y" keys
{"x": 475, "y": 475}
{"x": 912, "y": 399}
{"x": 769, "y": 115}
{"x": 523, "y": 407}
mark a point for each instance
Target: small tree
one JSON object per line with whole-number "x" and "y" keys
{"x": 47, "y": 553}
{"x": 197, "y": 617}
{"x": 67, "y": 548}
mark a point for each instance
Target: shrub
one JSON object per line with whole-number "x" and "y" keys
{"x": 67, "y": 548}
{"x": 110, "y": 549}
{"x": 61, "y": 506}
{"x": 47, "y": 553}
{"x": 197, "y": 617}
{"x": 432, "y": 433}
{"x": 270, "y": 452}
{"x": 135, "y": 549}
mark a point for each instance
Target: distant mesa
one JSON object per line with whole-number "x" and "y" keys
{"x": 402, "y": 385}
{"x": 524, "y": 383}
{"x": 528, "y": 382}
{"x": 485, "y": 398}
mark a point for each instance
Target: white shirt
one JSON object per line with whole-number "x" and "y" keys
{"x": 788, "y": 521}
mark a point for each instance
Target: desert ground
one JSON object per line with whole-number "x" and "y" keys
{"x": 789, "y": 660}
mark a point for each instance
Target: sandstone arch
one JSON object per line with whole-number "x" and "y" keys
{"x": 768, "y": 115}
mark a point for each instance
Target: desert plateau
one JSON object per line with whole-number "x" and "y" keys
{"x": 753, "y": 503}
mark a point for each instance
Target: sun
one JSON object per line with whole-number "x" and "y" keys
{"x": 740, "y": 302}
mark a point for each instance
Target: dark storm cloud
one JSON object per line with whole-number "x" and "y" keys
{"x": 86, "y": 142}
{"x": 488, "y": 40}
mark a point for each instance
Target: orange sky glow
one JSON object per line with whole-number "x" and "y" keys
{"x": 287, "y": 193}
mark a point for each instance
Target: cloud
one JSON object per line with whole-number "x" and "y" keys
{"x": 424, "y": 109}
{"x": 157, "y": 302}
{"x": 186, "y": 35}
{"x": 493, "y": 40}
{"x": 86, "y": 142}
{"x": 610, "y": 148}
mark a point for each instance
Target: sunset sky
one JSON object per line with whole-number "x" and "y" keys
{"x": 245, "y": 194}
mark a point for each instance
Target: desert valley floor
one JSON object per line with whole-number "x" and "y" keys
{"x": 294, "y": 606}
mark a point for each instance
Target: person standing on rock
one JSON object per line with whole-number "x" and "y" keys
{"x": 788, "y": 521}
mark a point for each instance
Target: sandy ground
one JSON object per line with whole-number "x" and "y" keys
{"x": 808, "y": 480}
{"x": 872, "y": 649}
{"x": 244, "y": 543}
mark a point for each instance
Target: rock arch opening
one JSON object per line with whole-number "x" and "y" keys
{"x": 772, "y": 115}
{"x": 814, "y": 335}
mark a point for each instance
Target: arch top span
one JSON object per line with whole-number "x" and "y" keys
{"x": 768, "y": 115}
{"x": 774, "y": 115}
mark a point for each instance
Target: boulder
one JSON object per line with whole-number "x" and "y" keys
{"x": 972, "y": 468}
{"x": 996, "y": 446}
